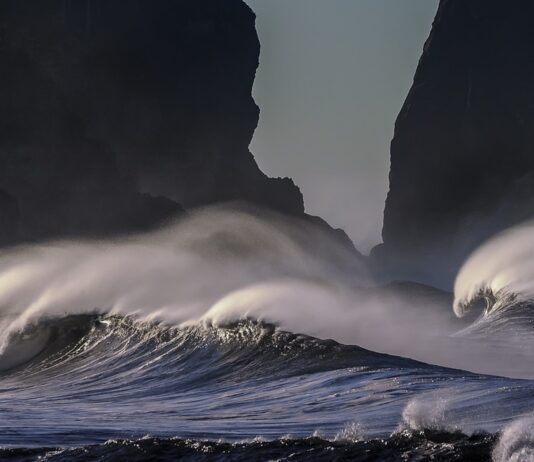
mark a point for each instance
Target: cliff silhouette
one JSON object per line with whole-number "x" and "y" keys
{"x": 462, "y": 157}
{"x": 117, "y": 115}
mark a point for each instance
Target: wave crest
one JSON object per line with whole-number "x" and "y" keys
{"x": 500, "y": 272}
{"x": 131, "y": 346}
{"x": 175, "y": 275}
{"x": 516, "y": 443}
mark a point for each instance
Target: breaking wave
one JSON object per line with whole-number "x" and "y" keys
{"x": 516, "y": 443}
{"x": 500, "y": 272}
{"x": 207, "y": 337}
{"x": 498, "y": 280}
{"x": 205, "y": 267}
{"x": 217, "y": 267}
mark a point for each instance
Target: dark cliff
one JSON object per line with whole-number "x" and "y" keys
{"x": 116, "y": 114}
{"x": 462, "y": 158}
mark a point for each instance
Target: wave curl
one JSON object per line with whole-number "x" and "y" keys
{"x": 500, "y": 272}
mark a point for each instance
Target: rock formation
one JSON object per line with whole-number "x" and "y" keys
{"x": 116, "y": 114}
{"x": 462, "y": 158}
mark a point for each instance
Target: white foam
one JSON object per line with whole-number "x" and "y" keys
{"x": 351, "y": 433}
{"x": 427, "y": 412}
{"x": 516, "y": 443}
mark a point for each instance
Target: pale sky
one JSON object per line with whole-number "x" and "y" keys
{"x": 333, "y": 76}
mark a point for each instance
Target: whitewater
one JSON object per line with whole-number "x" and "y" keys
{"x": 246, "y": 334}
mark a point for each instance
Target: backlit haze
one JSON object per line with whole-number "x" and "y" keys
{"x": 333, "y": 76}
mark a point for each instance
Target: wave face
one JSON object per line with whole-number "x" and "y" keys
{"x": 98, "y": 378}
{"x": 205, "y": 340}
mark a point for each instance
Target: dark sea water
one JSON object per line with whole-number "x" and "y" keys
{"x": 110, "y": 388}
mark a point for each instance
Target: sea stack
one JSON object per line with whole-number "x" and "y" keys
{"x": 117, "y": 114}
{"x": 462, "y": 157}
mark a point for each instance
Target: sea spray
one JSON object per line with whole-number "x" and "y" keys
{"x": 216, "y": 266}
{"x": 219, "y": 266}
{"x": 516, "y": 442}
{"x": 174, "y": 275}
{"x": 426, "y": 412}
{"x": 500, "y": 271}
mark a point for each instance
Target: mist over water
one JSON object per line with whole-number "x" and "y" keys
{"x": 223, "y": 315}
{"x": 210, "y": 262}
{"x": 216, "y": 267}
{"x": 222, "y": 265}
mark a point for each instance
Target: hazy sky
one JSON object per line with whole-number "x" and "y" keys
{"x": 332, "y": 79}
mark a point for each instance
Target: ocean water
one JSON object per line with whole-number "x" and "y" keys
{"x": 232, "y": 336}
